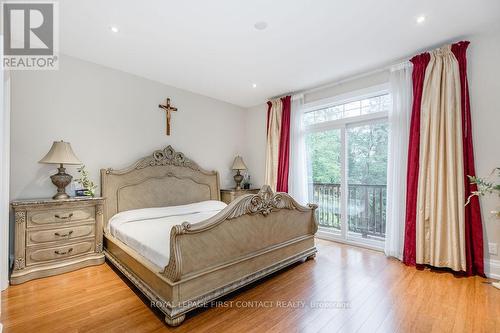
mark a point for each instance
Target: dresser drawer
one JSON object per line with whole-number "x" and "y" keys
{"x": 35, "y": 237}
{"x": 38, "y": 256}
{"x": 54, "y": 216}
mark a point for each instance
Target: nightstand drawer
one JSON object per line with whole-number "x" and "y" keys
{"x": 39, "y": 256}
{"x": 230, "y": 195}
{"x": 43, "y": 236}
{"x": 44, "y": 217}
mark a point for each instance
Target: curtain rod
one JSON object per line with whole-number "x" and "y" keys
{"x": 343, "y": 80}
{"x": 359, "y": 75}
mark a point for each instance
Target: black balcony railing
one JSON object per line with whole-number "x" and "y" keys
{"x": 366, "y": 208}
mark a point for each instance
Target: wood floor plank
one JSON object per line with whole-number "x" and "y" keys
{"x": 381, "y": 294}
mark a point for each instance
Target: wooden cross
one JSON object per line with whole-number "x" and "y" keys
{"x": 167, "y": 108}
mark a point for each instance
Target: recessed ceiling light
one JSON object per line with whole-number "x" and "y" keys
{"x": 260, "y": 25}
{"x": 254, "y": 85}
{"x": 114, "y": 28}
{"x": 421, "y": 19}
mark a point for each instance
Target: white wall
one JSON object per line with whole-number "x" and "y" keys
{"x": 484, "y": 84}
{"x": 4, "y": 173}
{"x": 255, "y": 159}
{"x": 111, "y": 118}
{"x": 347, "y": 86}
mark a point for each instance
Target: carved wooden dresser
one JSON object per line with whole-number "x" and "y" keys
{"x": 56, "y": 236}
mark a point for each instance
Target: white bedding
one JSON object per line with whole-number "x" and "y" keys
{"x": 147, "y": 230}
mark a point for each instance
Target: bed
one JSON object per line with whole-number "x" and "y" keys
{"x": 166, "y": 230}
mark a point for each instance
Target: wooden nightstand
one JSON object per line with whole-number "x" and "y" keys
{"x": 228, "y": 195}
{"x": 56, "y": 236}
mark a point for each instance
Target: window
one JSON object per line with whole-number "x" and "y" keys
{"x": 361, "y": 107}
{"x": 347, "y": 142}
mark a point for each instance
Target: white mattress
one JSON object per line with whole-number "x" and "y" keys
{"x": 147, "y": 230}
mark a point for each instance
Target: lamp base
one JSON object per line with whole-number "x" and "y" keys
{"x": 238, "y": 178}
{"x": 61, "y": 196}
{"x": 61, "y": 180}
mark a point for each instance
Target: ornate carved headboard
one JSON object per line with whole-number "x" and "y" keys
{"x": 165, "y": 178}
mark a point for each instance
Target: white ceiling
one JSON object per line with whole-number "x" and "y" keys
{"x": 212, "y": 48}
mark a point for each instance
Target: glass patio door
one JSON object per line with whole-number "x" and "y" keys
{"x": 347, "y": 145}
{"x": 325, "y": 154}
{"x": 367, "y": 179}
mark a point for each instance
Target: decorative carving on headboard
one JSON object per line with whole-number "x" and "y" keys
{"x": 166, "y": 156}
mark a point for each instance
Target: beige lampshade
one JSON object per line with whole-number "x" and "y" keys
{"x": 60, "y": 153}
{"x": 238, "y": 163}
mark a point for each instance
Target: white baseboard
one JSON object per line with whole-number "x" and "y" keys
{"x": 321, "y": 234}
{"x": 492, "y": 268}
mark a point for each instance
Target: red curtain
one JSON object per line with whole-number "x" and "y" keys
{"x": 420, "y": 63}
{"x": 284, "y": 149}
{"x": 473, "y": 224}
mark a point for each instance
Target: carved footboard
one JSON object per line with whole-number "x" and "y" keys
{"x": 252, "y": 237}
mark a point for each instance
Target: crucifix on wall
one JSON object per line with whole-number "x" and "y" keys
{"x": 168, "y": 109}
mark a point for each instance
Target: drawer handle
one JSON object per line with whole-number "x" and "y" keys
{"x": 63, "y": 235}
{"x": 63, "y": 253}
{"x": 57, "y": 216}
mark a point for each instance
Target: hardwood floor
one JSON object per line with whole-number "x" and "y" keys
{"x": 345, "y": 289}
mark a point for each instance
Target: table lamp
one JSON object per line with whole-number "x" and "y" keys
{"x": 60, "y": 153}
{"x": 238, "y": 165}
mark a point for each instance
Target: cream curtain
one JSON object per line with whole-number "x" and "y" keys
{"x": 399, "y": 128}
{"x": 273, "y": 142}
{"x": 440, "y": 222}
{"x": 299, "y": 171}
